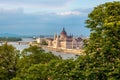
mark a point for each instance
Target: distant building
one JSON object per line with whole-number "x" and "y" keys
{"x": 38, "y": 40}
{"x": 63, "y": 41}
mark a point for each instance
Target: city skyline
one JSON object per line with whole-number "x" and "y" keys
{"x": 34, "y": 17}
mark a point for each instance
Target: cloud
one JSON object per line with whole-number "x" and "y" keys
{"x": 33, "y": 6}
{"x": 15, "y": 21}
{"x": 43, "y": 3}
{"x": 11, "y": 11}
{"x": 76, "y": 12}
{"x": 66, "y": 13}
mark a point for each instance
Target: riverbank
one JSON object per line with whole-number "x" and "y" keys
{"x": 70, "y": 51}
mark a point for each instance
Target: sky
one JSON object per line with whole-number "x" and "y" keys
{"x": 46, "y": 17}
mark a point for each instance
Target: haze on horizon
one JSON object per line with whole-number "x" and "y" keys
{"x": 44, "y": 17}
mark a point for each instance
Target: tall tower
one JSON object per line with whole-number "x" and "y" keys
{"x": 57, "y": 41}
{"x": 55, "y": 36}
{"x": 63, "y": 34}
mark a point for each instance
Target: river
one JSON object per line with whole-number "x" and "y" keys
{"x": 23, "y": 46}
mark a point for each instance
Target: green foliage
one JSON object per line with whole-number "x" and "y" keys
{"x": 37, "y": 72}
{"x": 10, "y": 39}
{"x": 16, "y": 78}
{"x": 9, "y": 57}
{"x": 103, "y": 46}
{"x": 61, "y": 70}
{"x": 33, "y": 57}
{"x": 44, "y": 43}
{"x": 37, "y": 55}
{"x": 104, "y": 23}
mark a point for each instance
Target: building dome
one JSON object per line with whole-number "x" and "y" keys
{"x": 63, "y": 33}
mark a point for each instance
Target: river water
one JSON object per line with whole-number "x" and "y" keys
{"x": 23, "y": 46}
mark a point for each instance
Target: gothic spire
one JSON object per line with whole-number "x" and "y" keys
{"x": 63, "y": 29}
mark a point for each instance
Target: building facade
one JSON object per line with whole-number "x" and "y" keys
{"x": 63, "y": 41}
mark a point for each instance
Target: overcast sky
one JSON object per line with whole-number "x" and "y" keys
{"x": 46, "y": 16}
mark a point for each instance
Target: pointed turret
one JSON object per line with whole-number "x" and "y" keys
{"x": 55, "y": 36}
{"x": 63, "y": 29}
{"x": 63, "y": 33}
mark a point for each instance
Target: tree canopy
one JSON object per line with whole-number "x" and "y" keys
{"x": 103, "y": 45}
{"x": 9, "y": 57}
{"x": 104, "y": 23}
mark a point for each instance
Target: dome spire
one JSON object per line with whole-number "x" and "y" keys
{"x": 63, "y": 29}
{"x": 63, "y": 33}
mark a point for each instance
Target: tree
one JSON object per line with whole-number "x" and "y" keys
{"x": 32, "y": 58}
{"x": 103, "y": 46}
{"x": 37, "y": 72}
{"x": 61, "y": 69}
{"x": 9, "y": 57}
{"x": 104, "y": 23}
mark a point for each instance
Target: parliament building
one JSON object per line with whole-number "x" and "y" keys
{"x": 63, "y": 41}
